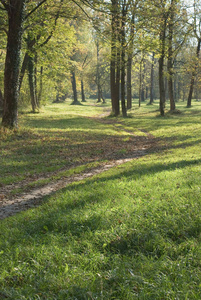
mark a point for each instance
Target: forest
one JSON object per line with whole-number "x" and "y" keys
{"x": 100, "y": 49}
{"x": 100, "y": 133}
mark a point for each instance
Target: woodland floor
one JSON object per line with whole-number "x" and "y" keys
{"x": 137, "y": 146}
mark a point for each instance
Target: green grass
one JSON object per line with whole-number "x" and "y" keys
{"x": 50, "y": 142}
{"x": 133, "y": 232}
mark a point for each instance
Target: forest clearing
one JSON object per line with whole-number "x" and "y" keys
{"x": 131, "y": 231}
{"x": 100, "y": 133}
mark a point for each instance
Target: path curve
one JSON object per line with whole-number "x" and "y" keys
{"x": 34, "y": 197}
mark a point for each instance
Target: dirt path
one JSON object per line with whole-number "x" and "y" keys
{"x": 12, "y": 205}
{"x": 35, "y": 197}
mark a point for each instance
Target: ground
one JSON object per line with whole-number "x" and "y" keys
{"x": 112, "y": 154}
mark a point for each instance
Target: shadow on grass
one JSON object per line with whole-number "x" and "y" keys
{"x": 156, "y": 122}
{"x": 71, "y": 122}
{"x": 64, "y": 222}
{"x": 65, "y": 208}
{"x": 40, "y": 154}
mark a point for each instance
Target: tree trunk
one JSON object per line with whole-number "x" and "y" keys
{"x": 115, "y": 59}
{"x": 161, "y": 67}
{"x": 142, "y": 91}
{"x": 129, "y": 65}
{"x": 152, "y": 79}
{"x": 146, "y": 92}
{"x": 123, "y": 63}
{"x": 193, "y": 76}
{"x": 40, "y": 86}
{"x": 102, "y": 97}
{"x": 161, "y": 86}
{"x": 32, "y": 83}
{"x": 82, "y": 91}
{"x": 98, "y": 73}
{"x": 129, "y": 91}
{"x": 183, "y": 90}
{"x": 191, "y": 90}
{"x": 1, "y": 100}
{"x": 15, "y": 11}
{"x": 170, "y": 58}
{"x": 23, "y": 69}
{"x": 36, "y": 78}
{"x": 178, "y": 87}
{"x": 74, "y": 87}
{"x": 171, "y": 94}
{"x": 142, "y": 82}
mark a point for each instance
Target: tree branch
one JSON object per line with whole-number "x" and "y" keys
{"x": 55, "y": 23}
{"x": 4, "y": 4}
{"x": 81, "y": 9}
{"x": 31, "y": 12}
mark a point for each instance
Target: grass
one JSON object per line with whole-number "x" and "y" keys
{"x": 49, "y": 142}
{"x": 133, "y": 232}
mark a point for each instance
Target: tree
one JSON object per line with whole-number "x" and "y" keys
{"x": 152, "y": 79}
{"x": 197, "y": 32}
{"x": 124, "y": 10}
{"x": 162, "y": 37}
{"x": 170, "y": 54}
{"x": 129, "y": 60}
{"x": 15, "y": 11}
{"x": 37, "y": 34}
{"x": 115, "y": 58}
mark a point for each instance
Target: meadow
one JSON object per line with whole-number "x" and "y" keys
{"x": 132, "y": 232}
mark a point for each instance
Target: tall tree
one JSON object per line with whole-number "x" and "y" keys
{"x": 115, "y": 58}
{"x": 16, "y": 15}
{"x": 162, "y": 37}
{"x": 130, "y": 59}
{"x": 123, "y": 54}
{"x": 170, "y": 54}
{"x": 152, "y": 79}
{"x": 197, "y": 33}
{"x": 15, "y": 10}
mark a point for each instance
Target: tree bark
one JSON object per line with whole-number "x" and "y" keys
{"x": 152, "y": 80}
{"x": 161, "y": 86}
{"x": 23, "y": 69}
{"x": 82, "y": 91}
{"x": 74, "y": 87}
{"x": 140, "y": 84}
{"x": 129, "y": 84}
{"x": 40, "y": 86}
{"x": 129, "y": 65}
{"x": 161, "y": 66}
{"x": 32, "y": 83}
{"x": 123, "y": 63}
{"x": 98, "y": 72}
{"x": 170, "y": 58}
{"x": 30, "y": 45}
{"x": 193, "y": 76}
{"x": 36, "y": 78}
{"x": 15, "y": 10}
{"x": 142, "y": 81}
{"x": 115, "y": 60}
{"x": 1, "y": 100}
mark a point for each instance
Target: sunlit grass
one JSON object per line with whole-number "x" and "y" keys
{"x": 132, "y": 232}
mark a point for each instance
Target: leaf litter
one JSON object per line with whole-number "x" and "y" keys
{"x": 110, "y": 152}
